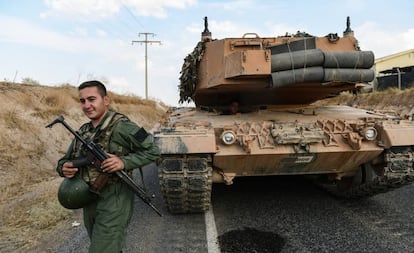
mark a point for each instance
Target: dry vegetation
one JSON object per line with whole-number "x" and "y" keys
{"x": 29, "y": 152}
{"x": 393, "y": 99}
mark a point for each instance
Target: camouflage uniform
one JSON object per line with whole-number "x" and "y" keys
{"x": 107, "y": 219}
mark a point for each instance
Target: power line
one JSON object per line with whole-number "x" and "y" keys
{"x": 132, "y": 14}
{"x": 146, "y": 41}
{"x": 119, "y": 28}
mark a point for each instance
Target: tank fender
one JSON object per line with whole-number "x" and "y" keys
{"x": 187, "y": 143}
{"x": 401, "y": 134}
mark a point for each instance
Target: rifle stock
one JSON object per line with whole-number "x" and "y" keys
{"x": 103, "y": 178}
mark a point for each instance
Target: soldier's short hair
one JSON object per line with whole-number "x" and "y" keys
{"x": 94, "y": 83}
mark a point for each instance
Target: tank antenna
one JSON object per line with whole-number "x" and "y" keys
{"x": 206, "y": 34}
{"x": 348, "y": 30}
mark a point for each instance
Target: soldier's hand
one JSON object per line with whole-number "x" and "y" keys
{"x": 68, "y": 170}
{"x": 112, "y": 164}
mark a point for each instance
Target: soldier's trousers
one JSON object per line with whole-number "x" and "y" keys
{"x": 107, "y": 219}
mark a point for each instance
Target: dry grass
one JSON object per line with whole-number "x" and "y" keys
{"x": 29, "y": 152}
{"x": 401, "y": 101}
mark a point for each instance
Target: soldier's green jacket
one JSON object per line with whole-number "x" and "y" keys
{"x": 127, "y": 140}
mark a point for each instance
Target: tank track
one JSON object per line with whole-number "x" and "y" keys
{"x": 186, "y": 182}
{"x": 398, "y": 172}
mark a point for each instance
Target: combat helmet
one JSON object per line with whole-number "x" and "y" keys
{"x": 74, "y": 193}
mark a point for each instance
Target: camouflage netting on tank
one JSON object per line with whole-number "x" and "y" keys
{"x": 189, "y": 73}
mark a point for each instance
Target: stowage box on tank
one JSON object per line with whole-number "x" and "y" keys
{"x": 253, "y": 117}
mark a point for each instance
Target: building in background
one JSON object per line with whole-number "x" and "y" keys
{"x": 396, "y": 70}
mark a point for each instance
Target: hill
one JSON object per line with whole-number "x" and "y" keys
{"x": 29, "y": 152}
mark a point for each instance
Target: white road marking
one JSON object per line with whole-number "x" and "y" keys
{"x": 211, "y": 232}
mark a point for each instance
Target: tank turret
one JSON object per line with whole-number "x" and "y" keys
{"x": 285, "y": 70}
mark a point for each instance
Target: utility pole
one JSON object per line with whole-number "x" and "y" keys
{"x": 146, "y": 41}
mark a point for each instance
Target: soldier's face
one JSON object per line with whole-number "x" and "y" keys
{"x": 93, "y": 104}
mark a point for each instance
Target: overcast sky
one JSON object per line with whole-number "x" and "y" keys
{"x": 70, "y": 41}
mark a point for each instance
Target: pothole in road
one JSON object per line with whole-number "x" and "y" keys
{"x": 249, "y": 240}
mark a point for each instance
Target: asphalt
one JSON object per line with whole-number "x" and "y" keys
{"x": 309, "y": 220}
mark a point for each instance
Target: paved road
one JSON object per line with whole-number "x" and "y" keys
{"x": 279, "y": 214}
{"x": 308, "y": 220}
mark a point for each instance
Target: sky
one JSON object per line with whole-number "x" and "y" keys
{"x": 56, "y": 42}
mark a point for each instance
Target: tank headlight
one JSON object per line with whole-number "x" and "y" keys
{"x": 370, "y": 133}
{"x": 228, "y": 137}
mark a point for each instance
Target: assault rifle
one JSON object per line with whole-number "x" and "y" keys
{"x": 97, "y": 152}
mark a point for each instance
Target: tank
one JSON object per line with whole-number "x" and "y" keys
{"x": 255, "y": 115}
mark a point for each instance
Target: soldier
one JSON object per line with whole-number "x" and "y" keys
{"x": 128, "y": 146}
{"x": 234, "y": 107}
